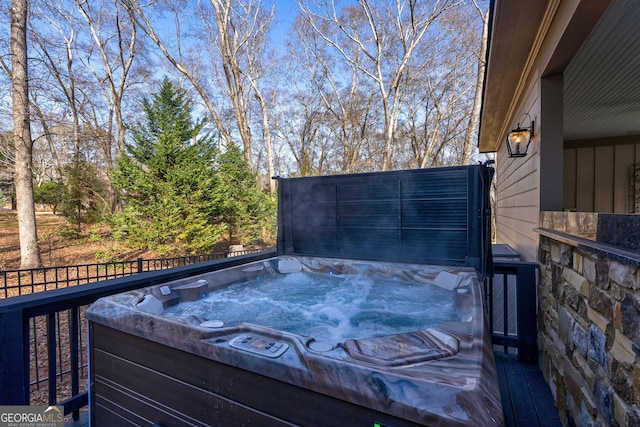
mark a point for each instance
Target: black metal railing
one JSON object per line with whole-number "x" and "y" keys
{"x": 28, "y": 281}
{"x": 42, "y": 334}
{"x": 511, "y": 308}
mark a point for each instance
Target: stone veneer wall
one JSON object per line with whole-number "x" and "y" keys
{"x": 589, "y": 330}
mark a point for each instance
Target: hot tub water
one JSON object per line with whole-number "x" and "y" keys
{"x": 324, "y": 306}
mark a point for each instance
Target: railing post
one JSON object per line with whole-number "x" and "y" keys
{"x": 139, "y": 265}
{"x": 527, "y": 315}
{"x": 14, "y": 358}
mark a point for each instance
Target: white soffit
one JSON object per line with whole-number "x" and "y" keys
{"x": 514, "y": 30}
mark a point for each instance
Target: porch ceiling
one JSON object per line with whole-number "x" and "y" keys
{"x": 599, "y": 55}
{"x": 602, "y": 82}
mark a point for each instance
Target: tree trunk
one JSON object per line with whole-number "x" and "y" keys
{"x": 29, "y": 249}
{"x": 228, "y": 39}
{"x": 474, "y": 118}
{"x": 266, "y": 133}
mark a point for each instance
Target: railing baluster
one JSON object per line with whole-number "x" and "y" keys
{"x": 51, "y": 353}
{"x": 490, "y": 299}
{"x": 74, "y": 334}
{"x": 59, "y": 346}
{"x": 35, "y": 352}
{"x": 505, "y": 309}
{"x": 83, "y": 329}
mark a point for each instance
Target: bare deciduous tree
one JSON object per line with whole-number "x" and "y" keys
{"x": 7, "y": 167}
{"x": 117, "y": 60}
{"x": 234, "y": 33}
{"x": 231, "y": 43}
{"x": 347, "y": 98}
{"x": 29, "y": 248}
{"x": 60, "y": 62}
{"x": 191, "y": 72}
{"x": 474, "y": 117}
{"x": 387, "y": 36}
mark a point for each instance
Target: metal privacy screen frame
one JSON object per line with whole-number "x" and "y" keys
{"x": 426, "y": 216}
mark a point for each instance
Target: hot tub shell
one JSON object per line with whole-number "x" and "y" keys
{"x": 148, "y": 368}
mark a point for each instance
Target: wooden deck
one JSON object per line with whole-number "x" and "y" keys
{"x": 526, "y": 397}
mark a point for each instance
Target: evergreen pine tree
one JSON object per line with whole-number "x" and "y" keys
{"x": 168, "y": 181}
{"x": 83, "y": 198}
{"x": 247, "y": 212}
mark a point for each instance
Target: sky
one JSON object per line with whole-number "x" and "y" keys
{"x": 286, "y": 11}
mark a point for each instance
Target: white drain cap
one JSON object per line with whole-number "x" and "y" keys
{"x": 212, "y": 324}
{"x": 321, "y": 346}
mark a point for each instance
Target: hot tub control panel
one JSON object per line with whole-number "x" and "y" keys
{"x": 258, "y": 345}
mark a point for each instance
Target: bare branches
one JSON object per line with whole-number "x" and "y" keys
{"x": 138, "y": 11}
{"x": 366, "y": 85}
{"x": 390, "y": 49}
{"x": 125, "y": 35}
{"x": 233, "y": 33}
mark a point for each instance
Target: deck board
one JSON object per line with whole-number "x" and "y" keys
{"x": 526, "y": 397}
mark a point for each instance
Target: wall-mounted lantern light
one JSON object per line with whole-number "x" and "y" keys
{"x": 519, "y": 138}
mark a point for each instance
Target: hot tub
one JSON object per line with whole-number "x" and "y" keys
{"x": 171, "y": 354}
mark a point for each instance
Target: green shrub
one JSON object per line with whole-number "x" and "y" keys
{"x": 84, "y": 195}
{"x": 49, "y": 193}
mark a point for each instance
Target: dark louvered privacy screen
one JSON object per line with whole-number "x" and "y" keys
{"x": 428, "y": 216}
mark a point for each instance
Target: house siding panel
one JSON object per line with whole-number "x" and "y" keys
{"x": 623, "y": 155}
{"x": 603, "y": 182}
{"x": 569, "y": 180}
{"x": 585, "y": 180}
{"x": 523, "y": 185}
{"x": 596, "y": 178}
{"x": 517, "y": 189}
{"x": 517, "y": 211}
